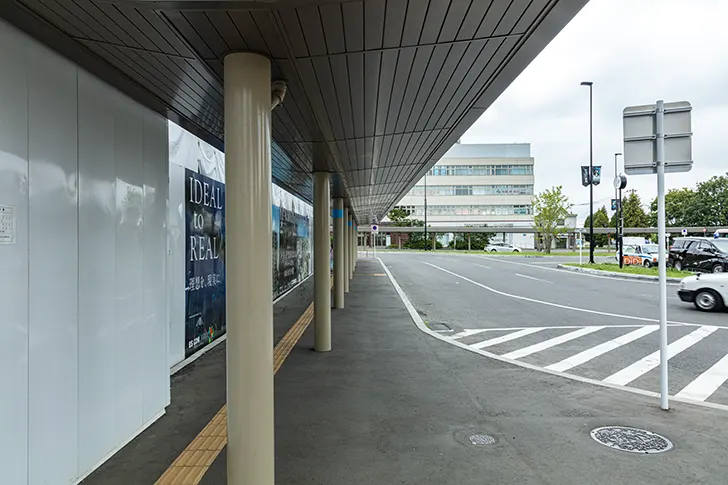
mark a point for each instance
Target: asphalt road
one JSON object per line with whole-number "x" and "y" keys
{"x": 598, "y": 328}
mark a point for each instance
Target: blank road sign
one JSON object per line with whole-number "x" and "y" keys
{"x": 640, "y": 145}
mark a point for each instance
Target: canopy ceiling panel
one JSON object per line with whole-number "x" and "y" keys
{"x": 378, "y": 90}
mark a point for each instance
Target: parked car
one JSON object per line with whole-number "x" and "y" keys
{"x": 699, "y": 254}
{"x": 708, "y": 292}
{"x": 640, "y": 254}
{"x": 499, "y": 247}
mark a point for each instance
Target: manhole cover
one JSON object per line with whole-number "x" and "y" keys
{"x": 633, "y": 440}
{"x": 482, "y": 439}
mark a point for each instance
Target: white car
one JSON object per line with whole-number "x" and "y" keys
{"x": 708, "y": 292}
{"x": 502, "y": 248}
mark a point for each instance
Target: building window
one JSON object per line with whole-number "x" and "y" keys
{"x": 435, "y": 190}
{"x": 473, "y": 210}
{"x": 481, "y": 170}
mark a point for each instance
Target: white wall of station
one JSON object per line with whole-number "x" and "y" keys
{"x": 83, "y": 244}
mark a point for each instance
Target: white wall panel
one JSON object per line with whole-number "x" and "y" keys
{"x": 96, "y": 247}
{"x": 130, "y": 332}
{"x": 155, "y": 169}
{"x": 14, "y": 261}
{"x": 176, "y": 270}
{"x": 53, "y": 268}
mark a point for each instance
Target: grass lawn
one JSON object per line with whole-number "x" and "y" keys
{"x": 632, "y": 269}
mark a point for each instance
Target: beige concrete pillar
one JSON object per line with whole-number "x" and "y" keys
{"x": 350, "y": 247}
{"x": 347, "y": 251}
{"x": 339, "y": 269}
{"x": 321, "y": 247}
{"x": 249, "y": 285}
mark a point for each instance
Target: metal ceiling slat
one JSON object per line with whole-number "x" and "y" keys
{"x": 456, "y": 14}
{"x": 374, "y": 23}
{"x": 155, "y": 20}
{"x": 453, "y": 84}
{"x": 53, "y": 17}
{"x": 355, "y": 66}
{"x": 313, "y": 31}
{"x": 401, "y": 80}
{"x": 530, "y": 16}
{"x": 433, "y": 69}
{"x": 208, "y": 33}
{"x": 199, "y": 73}
{"x": 150, "y": 32}
{"x": 299, "y": 104}
{"x": 451, "y": 64}
{"x": 227, "y": 30}
{"x": 333, "y": 27}
{"x": 328, "y": 93}
{"x": 476, "y": 15}
{"x": 372, "y": 61}
{"x": 180, "y": 22}
{"x": 340, "y": 73}
{"x": 353, "y": 14}
{"x": 495, "y": 15}
{"x": 269, "y": 32}
{"x": 386, "y": 81}
{"x": 293, "y": 32}
{"x": 394, "y": 23}
{"x": 116, "y": 23}
{"x": 354, "y": 160}
{"x": 416, "y": 12}
{"x": 99, "y": 31}
{"x": 467, "y": 83}
{"x": 512, "y": 16}
{"x": 436, "y": 12}
{"x": 248, "y": 30}
{"x": 417, "y": 73}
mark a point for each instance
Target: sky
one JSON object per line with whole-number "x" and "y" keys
{"x": 635, "y": 52}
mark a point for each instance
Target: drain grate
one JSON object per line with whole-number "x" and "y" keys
{"x": 633, "y": 440}
{"x": 482, "y": 439}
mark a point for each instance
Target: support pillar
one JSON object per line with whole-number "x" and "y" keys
{"x": 347, "y": 251}
{"x": 352, "y": 245}
{"x": 321, "y": 246}
{"x": 249, "y": 282}
{"x": 339, "y": 274}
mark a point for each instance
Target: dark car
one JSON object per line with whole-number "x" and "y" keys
{"x": 699, "y": 254}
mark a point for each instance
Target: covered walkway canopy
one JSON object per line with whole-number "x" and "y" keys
{"x": 378, "y": 90}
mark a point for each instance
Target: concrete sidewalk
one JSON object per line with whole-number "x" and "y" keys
{"x": 391, "y": 405}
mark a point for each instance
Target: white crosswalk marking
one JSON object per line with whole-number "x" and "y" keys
{"x": 643, "y": 366}
{"x": 506, "y": 338}
{"x": 532, "y": 349}
{"x": 707, "y": 383}
{"x": 601, "y": 349}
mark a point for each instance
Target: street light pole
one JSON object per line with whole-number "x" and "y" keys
{"x": 426, "y": 245}
{"x": 616, "y": 211}
{"x": 591, "y": 173}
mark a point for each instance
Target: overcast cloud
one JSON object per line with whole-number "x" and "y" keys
{"x": 635, "y": 52}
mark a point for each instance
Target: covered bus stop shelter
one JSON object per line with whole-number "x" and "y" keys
{"x": 346, "y": 103}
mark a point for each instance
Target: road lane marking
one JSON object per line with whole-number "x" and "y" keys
{"x": 420, "y": 324}
{"x": 558, "y": 305}
{"x": 619, "y": 280}
{"x": 552, "y": 342}
{"x": 506, "y": 338}
{"x": 483, "y": 266}
{"x": 534, "y": 279}
{"x": 601, "y": 349}
{"x": 708, "y": 382}
{"x": 643, "y": 366}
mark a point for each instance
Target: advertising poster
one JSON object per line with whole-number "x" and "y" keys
{"x": 205, "y": 261}
{"x": 292, "y": 251}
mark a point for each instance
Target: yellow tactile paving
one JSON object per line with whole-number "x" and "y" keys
{"x": 192, "y": 464}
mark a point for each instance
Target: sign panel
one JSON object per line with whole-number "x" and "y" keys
{"x": 596, "y": 174}
{"x": 640, "y": 130}
{"x": 585, "y": 175}
{"x": 205, "y": 261}
{"x": 7, "y": 224}
{"x": 375, "y": 228}
{"x": 291, "y": 239}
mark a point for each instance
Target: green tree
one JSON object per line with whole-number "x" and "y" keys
{"x": 633, "y": 213}
{"x": 679, "y": 208}
{"x": 400, "y": 218}
{"x": 710, "y": 207}
{"x": 601, "y": 219}
{"x": 550, "y": 208}
{"x": 478, "y": 240}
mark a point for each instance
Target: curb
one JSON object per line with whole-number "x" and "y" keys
{"x": 611, "y": 274}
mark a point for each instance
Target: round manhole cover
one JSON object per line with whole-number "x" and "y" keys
{"x": 482, "y": 439}
{"x": 633, "y": 440}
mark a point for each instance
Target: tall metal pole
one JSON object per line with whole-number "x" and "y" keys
{"x": 620, "y": 228}
{"x": 660, "y": 129}
{"x": 616, "y": 209}
{"x": 425, "y": 211}
{"x": 591, "y": 182}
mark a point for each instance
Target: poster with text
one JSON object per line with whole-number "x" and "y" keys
{"x": 292, "y": 251}
{"x": 205, "y": 261}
